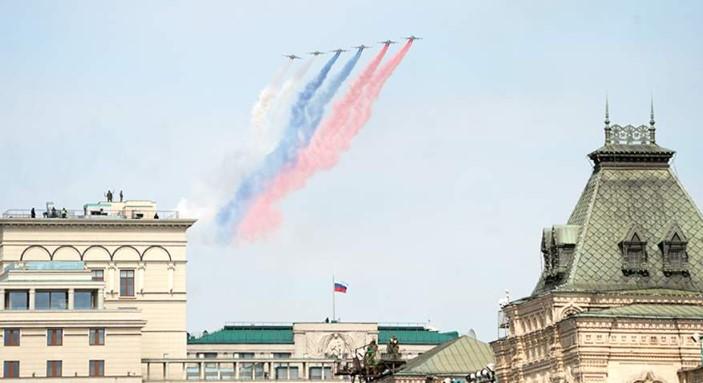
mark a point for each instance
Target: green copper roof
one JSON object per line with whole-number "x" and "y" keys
{"x": 649, "y": 311}
{"x": 626, "y": 193}
{"x": 459, "y": 356}
{"x": 247, "y": 335}
{"x": 414, "y": 335}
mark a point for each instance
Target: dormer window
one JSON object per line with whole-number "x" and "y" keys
{"x": 674, "y": 254}
{"x": 634, "y": 254}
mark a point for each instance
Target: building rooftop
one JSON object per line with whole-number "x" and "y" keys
{"x": 631, "y": 214}
{"x": 459, "y": 356}
{"x": 283, "y": 334}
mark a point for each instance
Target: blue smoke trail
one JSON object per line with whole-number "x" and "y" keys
{"x": 284, "y": 152}
{"x": 317, "y": 107}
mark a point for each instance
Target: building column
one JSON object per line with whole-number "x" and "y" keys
{"x": 32, "y": 294}
{"x": 101, "y": 299}
{"x": 236, "y": 371}
{"x": 2, "y": 299}
{"x": 201, "y": 370}
{"x": 71, "y": 300}
{"x": 305, "y": 371}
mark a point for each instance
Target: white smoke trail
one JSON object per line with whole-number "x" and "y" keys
{"x": 213, "y": 188}
{"x": 281, "y": 108}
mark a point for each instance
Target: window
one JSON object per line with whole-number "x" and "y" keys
{"x": 98, "y": 274}
{"x": 673, "y": 249}
{"x": 286, "y": 373}
{"x": 53, "y": 368}
{"x": 127, "y": 283}
{"x": 96, "y": 368}
{"x": 97, "y": 336}
{"x": 17, "y": 300}
{"x": 634, "y": 253}
{"x": 11, "y": 369}
{"x": 54, "y": 337}
{"x": 245, "y": 355}
{"x": 85, "y": 299}
{"x": 320, "y": 373}
{"x": 12, "y": 337}
{"x": 51, "y": 300}
{"x": 281, "y": 355}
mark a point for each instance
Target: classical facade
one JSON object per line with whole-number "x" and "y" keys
{"x": 90, "y": 293}
{"x": 620, "y": 294}
{"x": 304, "y": 350}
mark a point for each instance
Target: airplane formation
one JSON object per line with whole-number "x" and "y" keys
{"x": 361, "y": 47}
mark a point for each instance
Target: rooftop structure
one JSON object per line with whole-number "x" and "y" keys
{"x": 283, "y": 334}
{"x": 634, "y": 226}
{"x": 454, "y": 359}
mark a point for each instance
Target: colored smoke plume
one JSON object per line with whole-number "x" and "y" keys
{"x": 333, "y": 138}
{"x": 284, "y": 153}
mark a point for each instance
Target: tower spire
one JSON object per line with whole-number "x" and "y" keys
{"x": 607, "y": 114}
{"x": 608, "y": 129}
{"x": 652, "y": 130}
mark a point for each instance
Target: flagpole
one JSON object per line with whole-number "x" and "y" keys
{"x": 334, "y": 293}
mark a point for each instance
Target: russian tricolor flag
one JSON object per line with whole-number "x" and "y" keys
{"x": 340, "y": 287}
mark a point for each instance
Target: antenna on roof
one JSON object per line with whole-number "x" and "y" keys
{"x": 651, "y": 112}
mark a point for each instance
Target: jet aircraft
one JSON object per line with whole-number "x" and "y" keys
{"x": 316, "y": 53}
{"x": 387, "y": 42}
{"x": 292, "y": 57}
{"x": 339, "y": 50}
{"x": 362, "y": 47}
{"x": 413, "y": 37}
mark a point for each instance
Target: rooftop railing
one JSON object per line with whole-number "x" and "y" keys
{"x": 91, "y": 214}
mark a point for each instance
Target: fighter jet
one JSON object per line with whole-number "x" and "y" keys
{"x": 292, "y": 57}
{"x": 413, "y": 37}
{"x": 338, "y": 50}
{"x": 387, "y": 42}
{"x": 362, "y": 47}
{"x": 316, "y": 53}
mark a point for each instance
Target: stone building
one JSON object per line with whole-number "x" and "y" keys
{"x": 302, "y": 350}
{"x": 620, "y": 294}
{"x": 89, "y": 294}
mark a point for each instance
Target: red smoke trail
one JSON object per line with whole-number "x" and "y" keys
{"x": 332, "y": 138}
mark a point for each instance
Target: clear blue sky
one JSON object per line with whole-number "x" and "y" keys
{"x": 478, "y": 140}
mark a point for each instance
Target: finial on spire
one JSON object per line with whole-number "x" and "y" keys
{"x": 607, "y": 114}
{"x": 651, "y": 112}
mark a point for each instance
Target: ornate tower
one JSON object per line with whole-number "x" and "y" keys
{"x": 621, "y": 288}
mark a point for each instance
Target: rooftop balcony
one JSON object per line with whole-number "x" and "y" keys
{"x": 123, "y": 210}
